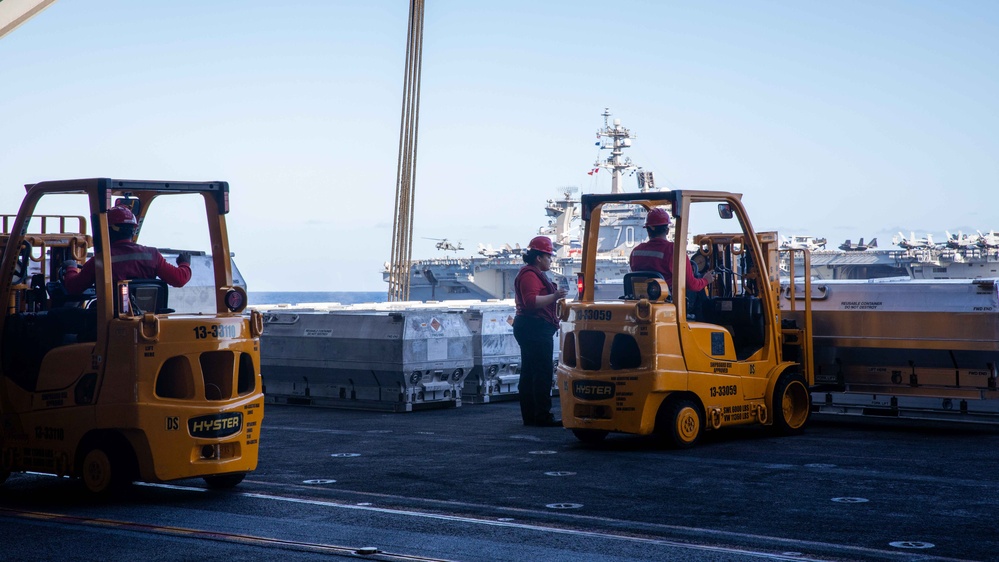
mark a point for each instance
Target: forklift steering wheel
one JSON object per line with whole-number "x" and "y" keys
{"x": 700, "y": 263}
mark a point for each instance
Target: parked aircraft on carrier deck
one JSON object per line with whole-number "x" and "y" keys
{"x": 848, "y": 246}
{"x": 961, "y": 240}
{"x": 506, "y": 250}
{"x": 809, "y": 243}
{"x": 990, "y": 240}
{"x": 912, "y": 242}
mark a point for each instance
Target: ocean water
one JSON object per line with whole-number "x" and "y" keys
{"x": 297, "y": 297}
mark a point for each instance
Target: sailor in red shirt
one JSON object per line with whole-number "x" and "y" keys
{"x": 657, "y": 253}
{"x": 534, "y": 327}
{"x": 128, "y": 259}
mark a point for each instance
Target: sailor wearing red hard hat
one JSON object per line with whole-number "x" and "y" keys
{"x": 657, "y": 253}
{"x": 128, "y": 259}
{"x": 534, "y": 327}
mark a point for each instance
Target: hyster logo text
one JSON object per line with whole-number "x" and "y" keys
{"x": 593, "y": 390}
{"x": 216, "y": 425}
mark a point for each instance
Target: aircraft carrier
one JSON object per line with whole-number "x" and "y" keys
{"x": 923, "y": 262}
{"x": 490, "y": 274}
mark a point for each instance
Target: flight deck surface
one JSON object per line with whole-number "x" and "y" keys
{"x": 472, "y": 483}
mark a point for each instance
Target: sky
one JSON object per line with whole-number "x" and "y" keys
{"x": 836, "y": 119}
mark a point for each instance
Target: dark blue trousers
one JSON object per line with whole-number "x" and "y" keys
{"x": 534, "y": 336}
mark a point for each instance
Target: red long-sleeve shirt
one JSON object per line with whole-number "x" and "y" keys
{"x": 129, "y": 261}
{"x": 530, "y": 284}
{"x": 657, "y": 255}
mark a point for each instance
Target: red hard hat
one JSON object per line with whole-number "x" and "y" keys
{"x": 121, "y": 215}
{"x": 657, "y": 217}
{"x": 541, "y": 244}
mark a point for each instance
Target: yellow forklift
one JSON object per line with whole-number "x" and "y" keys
{"x": 678, "y": 362}
{"x": 113, "y": 385}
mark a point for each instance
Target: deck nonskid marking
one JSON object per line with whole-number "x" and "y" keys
{"x": 784, "y": 542}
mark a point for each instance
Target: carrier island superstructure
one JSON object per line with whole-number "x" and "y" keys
{"x": 490, "y": 274}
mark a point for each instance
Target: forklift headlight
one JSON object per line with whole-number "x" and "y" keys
{"x": 654, "y": 291}
{"x": 235, "y": 299}
{"x": 657, "y": 290}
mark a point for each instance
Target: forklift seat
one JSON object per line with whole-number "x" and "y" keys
{"x": 149, "y": 295}
{"x": 640, "y": 277}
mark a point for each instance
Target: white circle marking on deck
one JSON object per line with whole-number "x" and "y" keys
{"x": 850, "y": 500}
{"x": 912, "y": 544}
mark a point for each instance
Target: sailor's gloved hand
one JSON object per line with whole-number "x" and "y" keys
{"x": 184, "y": 258}
{"x": 66, "y": 264}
